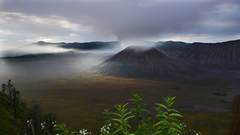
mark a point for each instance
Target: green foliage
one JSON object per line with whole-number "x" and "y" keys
{"x": 39, "y": 123}
{"x": 138, "y": 107}
{"x": 136, "y": 120}
{"x": 61, "y": 129}
{"x": 145, "y": 127}
{"x": 142, "y": 123}
{"x": 12, "y": 111}
{"x": 167, "y": 119}
{"x": 8, "y": 125}
{"x": 120, "y": 120}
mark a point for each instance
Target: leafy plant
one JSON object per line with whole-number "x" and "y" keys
{"x": 61, "y": 129}
{"x": 120, "y": 120}
{"x": 167, "y": 119}
{"x": 142, "y": 123}
{"x": 138, "y": 107}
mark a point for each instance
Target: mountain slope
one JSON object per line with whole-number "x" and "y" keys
{"x": 97, "y": 45}
{"x": 91, "y": 45}
{"x": 141, "y": 62}
{"x": 224, "y": 55}
{"x": 177, "y": 59}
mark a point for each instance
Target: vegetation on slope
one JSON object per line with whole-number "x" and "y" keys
{"x": 15, "y": 115}
{"x": 12, "y": 111}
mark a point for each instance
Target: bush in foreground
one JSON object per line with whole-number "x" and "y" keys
{"x": 133, "y": 119}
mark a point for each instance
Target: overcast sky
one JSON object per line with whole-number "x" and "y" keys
{"x": 26, "y": 21}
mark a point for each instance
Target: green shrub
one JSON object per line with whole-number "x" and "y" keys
{"x": 136, "y": 120}
{"x": 167, "y": 119}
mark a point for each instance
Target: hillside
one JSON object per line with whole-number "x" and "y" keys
{"x": 177, "y": 59}
{"x": 91, "y": 45}
{"x": 142, "y": 62}
{"x": 224, "y": 55}
{"x": 96, "y": 45}
{"x": 40, "y": 56}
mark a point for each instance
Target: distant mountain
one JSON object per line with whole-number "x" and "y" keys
{"x": 171, "y": 44}
{"x": 142, "y": 62}
{"x": 29, "y": 56}
{"x": 224, "y": 55}
{"x": 97, "y": 45}
{"x": 38, "y": 56}
{"x": 176, "y": 59}
{"x": 92, "y": 45}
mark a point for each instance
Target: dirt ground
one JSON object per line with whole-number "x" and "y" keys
{"x": 80, "y": 100}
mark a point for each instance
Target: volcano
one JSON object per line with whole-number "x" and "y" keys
{"x": 152, "y": 62}
{"x": 176, "y": 59}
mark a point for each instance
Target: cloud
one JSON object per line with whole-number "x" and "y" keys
{"x": 222, "y": 20}
{"x": 125, "y": 19}
{"x": 21, "y": 28}
{"x": 8, "y": 18}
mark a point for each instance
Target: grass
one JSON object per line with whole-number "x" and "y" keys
{"x": 209, "y": 123}
{"x": 78, "y": 101}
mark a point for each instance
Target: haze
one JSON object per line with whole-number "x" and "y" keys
{"x": 25, "y": 21}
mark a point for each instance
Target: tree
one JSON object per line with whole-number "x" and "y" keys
{"x": 9, "y": 90}
{"x": 4, "y": 87}
{"x": 15, "y": 100}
